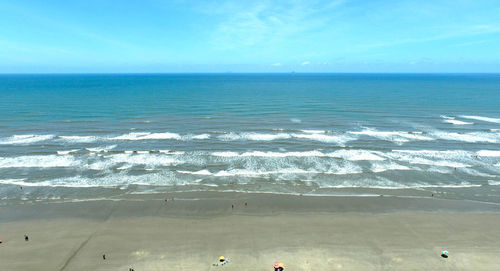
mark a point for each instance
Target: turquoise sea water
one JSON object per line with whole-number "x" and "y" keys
{"x": 73, "y": 137}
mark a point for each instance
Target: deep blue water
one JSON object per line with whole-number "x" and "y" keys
{"x": 84, "y": 136}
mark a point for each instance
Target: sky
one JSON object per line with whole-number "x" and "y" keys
{"x": 177, "y": 36}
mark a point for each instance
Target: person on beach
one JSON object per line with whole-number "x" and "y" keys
{"x": 26, "y": 238}
{"x": 104, "y": 256}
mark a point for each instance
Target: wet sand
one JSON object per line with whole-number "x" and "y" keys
{"x": 190, "y": 232}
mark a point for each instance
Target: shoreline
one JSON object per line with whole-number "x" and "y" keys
{"x": 216, "y": 204}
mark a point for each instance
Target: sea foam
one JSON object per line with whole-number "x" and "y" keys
{"x": 40, "y": 161}
{"x": 486, "y": 119}
{"x": 24, "y": 139}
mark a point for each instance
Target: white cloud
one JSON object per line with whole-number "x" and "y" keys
{"x": 305, "y": 63}
{"x": 276, "y": 64}
{"x": 260, "y": 23}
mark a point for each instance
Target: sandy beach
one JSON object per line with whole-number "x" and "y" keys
{"x": 190, "y": 232}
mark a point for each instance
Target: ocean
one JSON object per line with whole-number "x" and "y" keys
{"x": 87, "y": 137}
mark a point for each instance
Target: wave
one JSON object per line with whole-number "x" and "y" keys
{"x": 383, "y": 183}
{"x": 357, "y": 155}
{"x": 397, "y": 137}
{"x": 285, "y": 171}
{"x": 453, "y": 159}
{"x": 253, "y": 136}
{"x": 270, "y": 154}
{"x": 78, "y": 139}
{"x": 146, "y": 136}
{"x": 381, "y": 167}
{"x": 447, "y": 117}
{"x": 101, "y": 149}
{"x": 492, "y": 182}
{"x": 171, "y": 152}
{"x": 199, "y": 172}
{"x": 24, "y": 139}
{"x": 42, "y": 161}
{"x": 269, "y": 137}
{"x": 135, "y": 136}
{"x": 66, "y": 152}
{"x": 488, "y": 153}
{"x": 486, "y": 119}
{"x": 143, "y": 159}
{"x": 324, "y": 138}
{"x": 351, "y": 155}
{"x": 472, "y": 137}
{"x": 314, "y": 131}
{"x": 457, "y": 122}
{"x": 19, "y": 182}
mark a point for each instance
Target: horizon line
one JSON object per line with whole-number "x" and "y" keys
{"x": 242, "y": 73}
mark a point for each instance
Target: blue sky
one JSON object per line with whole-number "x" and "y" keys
{"x": 249, "y": 36}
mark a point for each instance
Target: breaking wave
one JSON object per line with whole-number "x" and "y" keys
{"x": 24, "y": 139}
{"x": 486, "y": 119}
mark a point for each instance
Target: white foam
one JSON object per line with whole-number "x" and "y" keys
{"x": 246, "y": 172}
{"x": 397, "y": 137}
{"x": 199, "y": 172}
{"x": 19, "y": 182}
{"x": 24, "y": 139}
{"x": 101, "y": 149}
{"x": 454, "y": 159}
{"x": 488, "y": 153}
{"x": 467, "y": 137}
{"x": 143, "y": 159}
{"x": 100, "y": 165}
{"x": 381, "y": 167}
{"x": 226, "y": 154}
{"x": 324, "y": 138}
{"x": 41, "y": 161}
{"x": 351, "y": 155}
{"x": 270, "y": 154}
{"x": 492, "y": 182}
{"x": 383, "y": 183}
{"x": 66, "y": 152}
{"x": 313, "y": 131}
{"x": 495, "y": 130}
{"x": 124, "y": 167}
{"x": 201, "y": 136}
{"x": 171, "y": 152}
{"x": 447, "y": 117}
{"x": 357, "y": 155}
{"x": 457, "y": 122}
{"x": 253, "y": 136}
{"x": 79, "y": 139}
{"x": 147, "y": 136}
{"x": 346, "y": 169}
{"x": 486, "y": 119}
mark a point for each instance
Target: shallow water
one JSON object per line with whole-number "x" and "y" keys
{"x": 101, "y": 136}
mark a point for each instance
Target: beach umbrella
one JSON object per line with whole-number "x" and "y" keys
{"x": 444, "y": 253}
{"x": 281, "y": 265}
{"x": 276, "y": 265}
{"x": 1, "y": 240}
{"x": 222, "y": 258}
